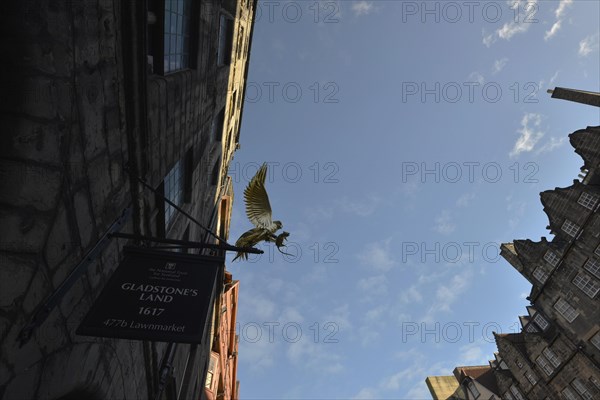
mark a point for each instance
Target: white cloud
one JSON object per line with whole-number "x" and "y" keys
{"x": 515, "y": 209}
{"x": 373, "y": 284}
{"x": 476, "y": 77}
{"x": 408, "y": 382}
{"x": 520, "y": 24}
{"x": 588, "y": 45}
{"x": 367, "y": 394}
{"x": 395, "y": 381}
{"x": 530, "y": 134}
{"x": 362, "y": 8}
{"x": 362, "y": 208}
{"x": 499, "y": 65}
{"x": 340, "y": 316}
{"x": 473, "y": 354}
{"x": 560, "y": 10}
{"x": 318, "y": 274}
{"x": 553, "y": 79}
{"x": 262, "y": 308}
{"x": 307, "y": 353}
{"x": 418, "y": 391}
{"x": 465, "y": 200}
{"x": 319, "y": 213}
{"x": 259, "y": 355}
{"x": 444, "y": 224}
{"x": 447, "y": 294}
{"x": 291, "y": 314}
{"x": 378, "y": 255}
{"x": 488, "y": 40}
{"x": 550, "y": 33}
{"x": 552, "y": 144}
{"x": 559, "y": 13}
{"x": 411, "y": 296}
{"x": 510, "y": 29}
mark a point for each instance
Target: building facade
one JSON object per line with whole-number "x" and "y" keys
{"x": 110, "y": 107}
{"x": 557, "y": 353}
{"x": 559, "y": 345}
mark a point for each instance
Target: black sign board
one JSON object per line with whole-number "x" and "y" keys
{"x": 156, "y": 295}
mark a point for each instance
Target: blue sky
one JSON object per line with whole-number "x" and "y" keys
{"x": 390, "y": 196}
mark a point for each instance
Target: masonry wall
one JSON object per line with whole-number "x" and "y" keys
{"x": 66, "y": 142}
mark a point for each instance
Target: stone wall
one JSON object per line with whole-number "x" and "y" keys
{"x": 63, "y": 182}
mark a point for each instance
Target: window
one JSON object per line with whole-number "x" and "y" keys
{"x": 516, "y": 393}
{"x": 569, "y": 394}
{"x": 595, "y": 382}
{"x": 582, "y": 389}
{"x": 597, "y": 251}
{"x": 177, "y": 32}
{"x": 217, "y": 126}
{"x": 566, "y": 310}
{"x": 588, "y": 200}
{"x": 240, "y": 42}
{"x": 595, "y": 340}
{"x": 552, "y": 357}
{"x": 508, "y": 396}
{"x": 531, "y": 377}
{"x": 225, "y": 41}
{"x": 570, "y": 228}
{"x": 593, "y": 266}
{"x": 215, "y": 172}
{"x": 531, "y": 328}
{"x": 545, "y": 365}
{"x": 473, "y": 389}
{"x": 540, "y": 321}
{"x": 233, "y": 104}
{"x": 540, "y": 274}
{"x": 586, "y": 284}
{"x": 173, "y": 191}
{"x": 551, "y": 258}
{"x": 212, "y": 369}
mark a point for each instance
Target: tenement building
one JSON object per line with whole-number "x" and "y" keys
{"x": 116, "y": 114}
{"x": 557, "y": 353}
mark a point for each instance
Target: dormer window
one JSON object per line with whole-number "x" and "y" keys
{"x": 540, "y": 321}
{"x": 540, "y": 274}
{"x": 531, "y": 329}
{"x": 473, "y": 389}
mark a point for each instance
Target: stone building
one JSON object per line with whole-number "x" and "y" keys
{"x": 466, "y": 382}
{"x": 221, "y": 380}
{"x": 107, "y": 106}
{"x": 557, "y": 353}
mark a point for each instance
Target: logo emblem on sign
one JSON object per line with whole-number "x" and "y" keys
{"x": 170, "y": 265}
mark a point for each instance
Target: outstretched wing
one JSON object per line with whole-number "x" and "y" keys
{"x": 258, "y": 208}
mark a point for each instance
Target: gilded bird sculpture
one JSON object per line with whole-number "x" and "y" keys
{"x": 258, "y": 211}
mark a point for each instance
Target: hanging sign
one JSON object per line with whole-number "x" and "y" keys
{"x": 156, "y": 295}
